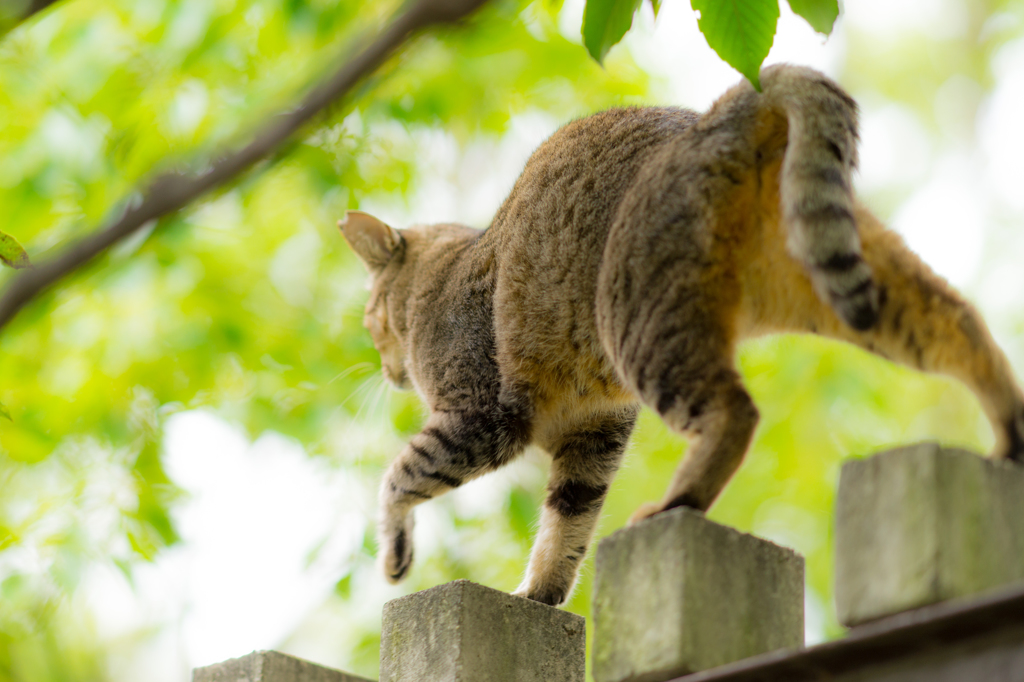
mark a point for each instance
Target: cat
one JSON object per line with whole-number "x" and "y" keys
{"x": 636, "y": 249}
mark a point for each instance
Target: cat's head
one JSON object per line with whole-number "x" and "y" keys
{"x": 381, "y": 248}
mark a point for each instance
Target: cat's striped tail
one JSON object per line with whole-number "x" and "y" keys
{"x": 816, "y": 190}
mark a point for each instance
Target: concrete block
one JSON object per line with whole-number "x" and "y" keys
{"x": 677, "y": 593}
{"x": 270, "y": 666}
{"x": 464, "y": 632}
{"x": 923, "y": 524}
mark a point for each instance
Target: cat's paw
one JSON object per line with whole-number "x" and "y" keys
{"x": 645, "y": 511}
{"x": 551, "y": 595}
{"x": 395, "y": 548}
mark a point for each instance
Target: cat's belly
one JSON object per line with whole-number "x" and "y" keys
{"x": 569, "y": 376}
{"x": 567, "y": 411}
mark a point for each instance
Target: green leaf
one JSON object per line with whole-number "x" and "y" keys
{"x": 820, "y": 14}
{"x": 12, "y": 253}
{"x": 656, "y": 5}
{"x": 604, "y": 24}
{"x": 740, "y": 31}
{"x": 4, "y": 413}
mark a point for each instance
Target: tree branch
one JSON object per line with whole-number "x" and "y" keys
{"x": 14, "y": 12}
{"x": 172, "y": 191}
{"x": 37, "y": 6}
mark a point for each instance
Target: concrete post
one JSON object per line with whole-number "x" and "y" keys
{"x": 270, "y": 666}
{"x": 677, "y": 593}
{"x": 463, "y": 632}
{"x": 923, "y": 524}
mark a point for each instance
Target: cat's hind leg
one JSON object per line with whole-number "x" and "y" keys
{"x": 583, "y": 461}
{"x": 922, "y": 323}
{"x": 927, "y": 325}
{"x": 453, "y": 447}
{"x": 669, "y": 327}
{"x": 718, "y": 416}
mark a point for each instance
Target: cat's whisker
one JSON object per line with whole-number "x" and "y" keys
{"x": 382, "y": 401}
{"x": 361, "y": 392}
{"x": 374, "y": 385}
{"x": 358, "y": 367}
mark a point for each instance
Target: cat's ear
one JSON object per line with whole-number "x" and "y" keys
{"x": 373, "y": 240}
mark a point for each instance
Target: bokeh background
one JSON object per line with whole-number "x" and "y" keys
{"x": 199, "y": 425}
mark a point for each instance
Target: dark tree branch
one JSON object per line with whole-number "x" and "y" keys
{"x": 172, "y": 191}
{"x": 14, "y": 12}
{"x": 37, "y": 6}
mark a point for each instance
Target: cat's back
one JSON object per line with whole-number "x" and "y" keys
{"x": 562, "y": 205}
{"x": 549, "y": 235}
{"x": 577, "y": 175}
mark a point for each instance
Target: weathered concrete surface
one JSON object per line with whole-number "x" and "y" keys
{"x": 270, "y": 666}
{"x": 980, "y": 639}
{"x": 677, "y": 593}
{"x": 923, "y": 524}
{"x": 464, "y": 632}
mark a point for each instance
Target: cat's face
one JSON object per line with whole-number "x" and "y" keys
{"x": 377, "y": 245}
{"x": 385, "y": 338}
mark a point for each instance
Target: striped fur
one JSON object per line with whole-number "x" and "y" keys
{"x": 636, "y": 250}
{"x": 816, "y": 192}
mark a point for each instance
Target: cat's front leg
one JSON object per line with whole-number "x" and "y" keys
{"x": 584, "y": 461}
{"x": 394, "y": 535}
{"x": 427, "y": 467}
{"x": 454, "y": 447}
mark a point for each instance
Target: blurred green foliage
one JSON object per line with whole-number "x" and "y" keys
{"x": 249, "y": 305}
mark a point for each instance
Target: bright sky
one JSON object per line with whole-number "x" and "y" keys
{"x": 243, "y": 579}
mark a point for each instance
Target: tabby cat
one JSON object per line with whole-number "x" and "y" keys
{"x": 633, "y": 253}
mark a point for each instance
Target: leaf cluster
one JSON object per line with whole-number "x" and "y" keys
{"x": 740, "y": 31}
